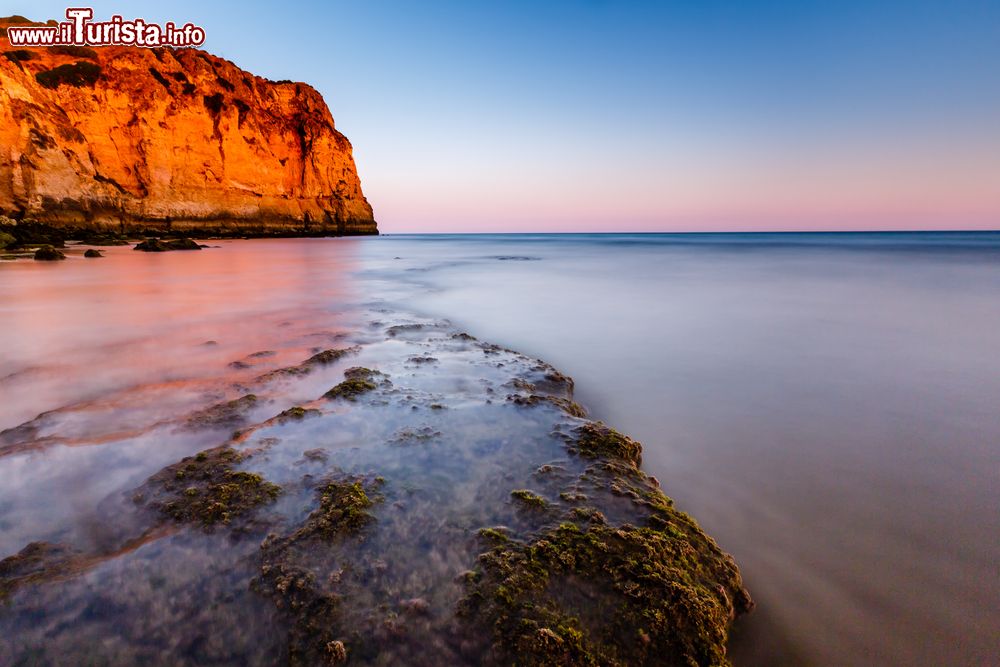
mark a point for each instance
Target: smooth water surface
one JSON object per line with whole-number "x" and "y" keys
{"x": 825, "y": 405}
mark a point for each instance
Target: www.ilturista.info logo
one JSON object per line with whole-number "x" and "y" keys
{"x": 79, "y": 30}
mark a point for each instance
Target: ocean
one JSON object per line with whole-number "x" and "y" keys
{"x": 825, "y": 405}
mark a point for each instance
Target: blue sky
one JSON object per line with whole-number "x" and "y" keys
{"x": 605, "y": 115}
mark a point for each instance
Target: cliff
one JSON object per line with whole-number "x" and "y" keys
{"x": 132, "y": 139}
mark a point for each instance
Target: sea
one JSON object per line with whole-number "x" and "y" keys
{"x": 826, "y": 405}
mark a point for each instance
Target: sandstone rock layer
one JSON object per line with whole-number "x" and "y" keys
{"x": 135, "y": 140}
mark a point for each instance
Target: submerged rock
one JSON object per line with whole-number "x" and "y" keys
{"x": 207, "y": 489}
{"x": 359, "y": 381}
{"x": 91, "y": 253}
{"x": 415, "y": 522}
{"x": 35, "y": 563}
{"x": 227, "y": 414}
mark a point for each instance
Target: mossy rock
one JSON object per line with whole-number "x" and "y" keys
{"x": 529, "y": 499}
{"x": 6, "y": 240}
{"x": 323, "y": 358}
{"x": 92, "y": 254}
{"x": 312, "y": 609}
{"x": 606, "y": 596}
{"x": 296, "y": 413}
{"x": 227, "y": 414}
{"x": 206, "y": 489}
{"x": 36, "y": 563}
{"x": 595, "y": 439}
{"x": 358, "y": 382}
{"x": 343, "y": 509}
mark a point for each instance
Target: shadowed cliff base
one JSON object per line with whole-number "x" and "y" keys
{"x": 169, "y": 141}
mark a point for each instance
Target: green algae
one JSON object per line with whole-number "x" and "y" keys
{"x": 604, "y": 595}
{"x": 358, "y": 381}
{"x": 296, "y": 413}
{"x": 528, "y": 498}
{"x": 309, "y": 604}
{"x": 205, "y": 489}
{"x": 343, "y": 508}
{"x": 226, "y": 414}
{"x": 595, "y": 439}
{"x": 36, "y": 563}
{"x": 323, "y": 358}
{"x": 572, "y": 408}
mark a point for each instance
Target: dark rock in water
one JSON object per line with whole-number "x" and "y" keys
{"x": 183, "y": 244}
{"x": 93, "y": 253}
{"x": 359, "y": 381}
{"x": 48, "y": 254}
{"x": 160, "y": 245}
{"x": 228, "y": 414}
{"x": 152, "y": 245}
{"x": 27, "y": 232}
{"x": 101, "y": 238}
{"x": 319, "y": 359}
{"x": 35, "y": 563}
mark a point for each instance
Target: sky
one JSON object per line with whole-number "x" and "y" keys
{"x": 606, "y": 115}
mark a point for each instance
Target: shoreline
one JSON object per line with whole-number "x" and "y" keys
{"x": 565, "y": 487}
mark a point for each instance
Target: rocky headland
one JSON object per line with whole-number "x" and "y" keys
{"x": 135, "y": 141}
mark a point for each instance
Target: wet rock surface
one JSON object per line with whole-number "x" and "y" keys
{"x": 413, "y": 497}
{"x": 166, "y": 245}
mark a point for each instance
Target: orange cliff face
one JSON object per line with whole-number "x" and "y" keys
{"x": 135, "y": 139}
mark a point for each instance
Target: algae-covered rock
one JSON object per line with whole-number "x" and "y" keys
{"x": 575, "y": 587}
{"x": 312, "y": 606}
{"x": 324, "y": 358}
{"x": 35, "y": 563}
{"x": 343, "y": 508}
{"x": 604, "y": 595}
{"x": 228, "y": 414}
{"x": 359, "y": 381}
{"x": 206, "y": 489}
{"x": 296, "y": 413}
{"x": 528, "y": 498}
{"x": 596, "y": 439}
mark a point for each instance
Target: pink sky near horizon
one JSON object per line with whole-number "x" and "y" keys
{"x": 913, "y": 187}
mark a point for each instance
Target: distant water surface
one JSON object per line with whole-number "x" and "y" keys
{"x": 826, "y": 405}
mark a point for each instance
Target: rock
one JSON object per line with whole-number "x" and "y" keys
{"x": 48, "y": 254}
{"x": 160, "y": 245}
{"x": 336, "y": 653}
{"x": 218, "y": 150}
{"x": 93, "y": 253}
{"x": 6, "y": 240}
{"x": 28, "y": 232}
{"x": 182, "y": 244}
{"x": 152, "y": 245}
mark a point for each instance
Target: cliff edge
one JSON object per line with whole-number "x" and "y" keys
{"x": 136, "y": 140}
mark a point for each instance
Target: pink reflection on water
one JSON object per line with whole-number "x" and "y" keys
{"x": 80, "y": 329}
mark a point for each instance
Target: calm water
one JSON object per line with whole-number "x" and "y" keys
{"x": 825, "y": 405}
